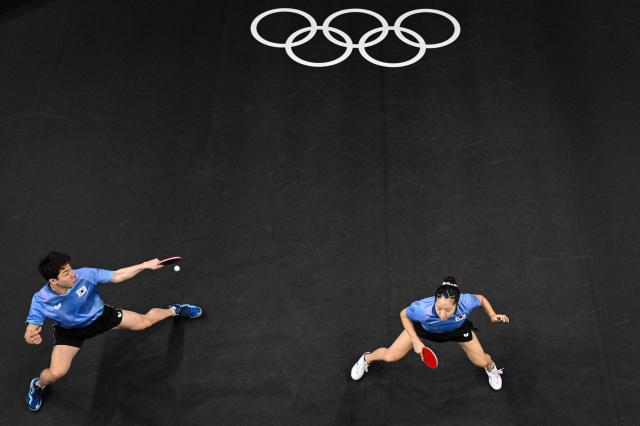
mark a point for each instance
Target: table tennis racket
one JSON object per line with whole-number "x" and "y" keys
{"x": 170, "y": 260}
{"x": 429, "y": 357}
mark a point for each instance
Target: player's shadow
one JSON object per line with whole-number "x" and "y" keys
{"x": 140, "y": 386}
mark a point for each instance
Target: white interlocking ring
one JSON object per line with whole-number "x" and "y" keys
{"x": 456, "y": 27}
{"x": 327, "y": 22}
{"x": 421, "y": 52}
{"x": 254, "y": 26}
{"x": 347, "y": 42}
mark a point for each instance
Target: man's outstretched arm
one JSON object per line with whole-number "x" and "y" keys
{"x": 124, "y": 274}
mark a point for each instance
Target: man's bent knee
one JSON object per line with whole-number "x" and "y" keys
{"x": 145, "y": 322}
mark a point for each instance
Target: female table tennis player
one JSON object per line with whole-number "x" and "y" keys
{"x": 440, "y": 318}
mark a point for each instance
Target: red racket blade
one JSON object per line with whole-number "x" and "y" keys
{"x": 429, "y": 357}
{"x": 170, "y": 260}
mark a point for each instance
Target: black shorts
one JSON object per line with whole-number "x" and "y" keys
{"x": 111, "y": 317}
{"x": 461, "y": 334}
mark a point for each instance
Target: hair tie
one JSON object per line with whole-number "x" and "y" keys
{"x": 448, "y": 283}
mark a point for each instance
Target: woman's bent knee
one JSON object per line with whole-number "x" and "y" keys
{"x": 389, "y": 357}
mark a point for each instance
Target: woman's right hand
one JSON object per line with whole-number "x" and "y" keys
{"x": 417, "y": 347}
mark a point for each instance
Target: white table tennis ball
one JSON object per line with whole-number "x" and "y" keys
{"x": 176, "y": 268}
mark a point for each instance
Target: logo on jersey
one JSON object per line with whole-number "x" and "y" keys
{"x": 58, "y": 306}
{"x": 461, "y": 317}
{"x": 119, "y": 314}
{"x": 81, "y": 291}
{"x": 466, "y": 334}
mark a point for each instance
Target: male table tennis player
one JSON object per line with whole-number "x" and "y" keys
{"x": 70, "y": 298}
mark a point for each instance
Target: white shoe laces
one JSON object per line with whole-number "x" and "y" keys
{"x": 494, "y": 370}
{"x": 365, "y": 364}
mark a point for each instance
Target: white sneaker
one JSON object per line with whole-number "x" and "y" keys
{"x": 495, "y": 379}
{"x": 359, "y": 368}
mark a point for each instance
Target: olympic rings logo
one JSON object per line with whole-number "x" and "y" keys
{"x": 346, "y": 42}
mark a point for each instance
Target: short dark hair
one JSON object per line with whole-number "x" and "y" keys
{"x": 51, "y": 264}
{"x": 448, "y": 289}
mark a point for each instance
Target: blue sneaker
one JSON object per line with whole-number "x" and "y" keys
{"x": 34, "y": 397}
{"x": 186, "y": 310}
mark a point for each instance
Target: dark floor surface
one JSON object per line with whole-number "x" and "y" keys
{"x": 311, "y": 205}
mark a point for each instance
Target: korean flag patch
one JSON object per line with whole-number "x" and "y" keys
{"x": 461, "y": 317}
{"x": 81, "y": 291}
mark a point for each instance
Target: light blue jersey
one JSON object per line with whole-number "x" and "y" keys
{"x": 424, "y": 312}
{"x": 79, "y": 307}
